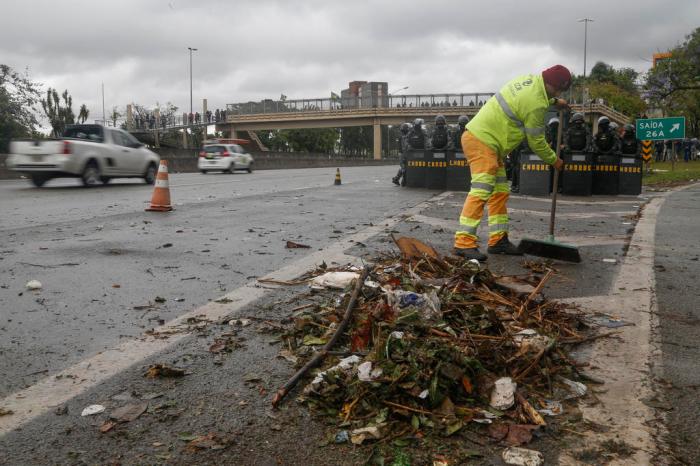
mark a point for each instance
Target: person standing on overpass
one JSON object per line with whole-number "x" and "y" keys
{"x": 514, "y": 113}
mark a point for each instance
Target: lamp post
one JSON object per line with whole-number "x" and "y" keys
{"x": 191, "y": 50}
{"x": 585, "y": 22}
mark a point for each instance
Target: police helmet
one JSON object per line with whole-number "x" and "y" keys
{"x": 553, "y": 121}
{"x": 418, "y": 122}
{"x": 405, "y": 128}
{"x": 613, "y": 126}
{"x": 462, "y": 120}
{"x": 629, "y": 128}
{"x": 576, "y": 117}
{"x": 440, "y": 120}
{"x": 603, "y": 121}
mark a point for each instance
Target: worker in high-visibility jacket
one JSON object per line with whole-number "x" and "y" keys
{"x": 514, "y": 113}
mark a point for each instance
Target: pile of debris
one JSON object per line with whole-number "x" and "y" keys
{"x": 423, "y": 345}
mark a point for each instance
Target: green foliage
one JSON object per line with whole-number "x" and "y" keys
{"x": 115, "y": 115}
{"x": 356, "y": 140}
{"x": 624, "y": 78}
{"x": 83, "y": 113}
{"x": 674, "y": 84}
{"x": 59, "y": 112}
{"x": 18, "y": 97}
{"x": 621, "y": 100}
{"x": 315, "y": 140}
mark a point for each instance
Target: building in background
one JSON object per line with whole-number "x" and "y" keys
{"x": 364, "y": 94}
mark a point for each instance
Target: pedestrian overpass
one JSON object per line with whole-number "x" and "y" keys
{"x": 338, "y": 113}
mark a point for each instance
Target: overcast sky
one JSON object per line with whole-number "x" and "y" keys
{"x": 249, "y": 50}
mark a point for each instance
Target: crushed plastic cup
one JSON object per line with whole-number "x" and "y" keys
{"x": 522, "y": 457}
{"x": 503, "y": 394}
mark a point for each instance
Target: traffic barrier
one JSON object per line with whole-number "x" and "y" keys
{"x": 577, "y": 178}
{"x": 160, "y": 201}
{"x": 337, "y": 177}
{"x": 415, "y": 169}
{"x": 534, "y": 176}
{"x": 630, "y": 175}
{"x": 606, "y": 174}
{"x": 458, "y": 176}
{"x": 435, "y": 169}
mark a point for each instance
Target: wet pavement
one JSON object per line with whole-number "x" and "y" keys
{"x": 101, "y": 265}
{"x": 677, "y": 269}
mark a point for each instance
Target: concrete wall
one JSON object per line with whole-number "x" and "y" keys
{"x": 185, "y": 160}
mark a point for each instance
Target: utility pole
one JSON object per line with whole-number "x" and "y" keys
{"x": 585, "y": 22}
{"x": 191, "y": 50}
{"x": 104, "y": 120}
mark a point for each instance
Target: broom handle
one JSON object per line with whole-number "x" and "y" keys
{"x": 555, "y": 184}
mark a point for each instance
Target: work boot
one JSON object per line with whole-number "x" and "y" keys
{"x": 395, "y": 180}
{"x": 470, "y": 253}
{"x": 504, "y": 246}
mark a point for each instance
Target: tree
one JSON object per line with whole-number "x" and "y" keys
{"x": 18, "y": 98}
{"x": 115, "y": 115}
{"x": 673, "y": 85}
{"x": 83, "y": 114}
{"x": 629, "y": 103}
{"x": 59, "y": 113}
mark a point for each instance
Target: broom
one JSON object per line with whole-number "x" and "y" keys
{"x": 550, "y": 248}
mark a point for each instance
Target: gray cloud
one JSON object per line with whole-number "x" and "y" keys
{"x": 250, "y": 50}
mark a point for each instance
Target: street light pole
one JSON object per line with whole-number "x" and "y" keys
{"x": 191, "y": 50}
{"x": 585, "y": 22}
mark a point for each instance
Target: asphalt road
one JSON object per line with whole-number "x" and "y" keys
{"x": 103, "y": 261}
{"x": 101, "y": 258}
{"x": 677, "y": 268}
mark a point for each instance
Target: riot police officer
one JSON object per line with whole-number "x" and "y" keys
{"x": 577, "y": 137}
{"x": 606, "y": 140}
{"x": 457, "y": 136}
{"x": 416, "y": 137}
{"x": 551, "y": 133}
{"x": 629, "y": 144}
{"x": 440, "y": 137}
{"x": 400, "y": 178}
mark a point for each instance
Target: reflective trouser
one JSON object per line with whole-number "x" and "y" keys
{"x": 489, "y": 186}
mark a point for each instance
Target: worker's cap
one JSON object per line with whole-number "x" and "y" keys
{"x": 557, "y": 76}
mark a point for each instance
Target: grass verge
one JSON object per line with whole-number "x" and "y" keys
{"x": 662, "y": 173}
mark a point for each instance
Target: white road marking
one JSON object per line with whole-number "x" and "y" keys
{"x": 31, "y": 402}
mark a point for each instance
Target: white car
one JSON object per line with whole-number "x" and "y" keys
{"x": 92, "y": 153}
{"x": 224, "y": 157}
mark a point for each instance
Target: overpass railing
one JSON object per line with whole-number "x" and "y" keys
{"x": 358, "y": 102}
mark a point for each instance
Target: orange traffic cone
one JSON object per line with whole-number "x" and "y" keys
{"x": 337, "y": 177}
{"x": 160, "y": 202}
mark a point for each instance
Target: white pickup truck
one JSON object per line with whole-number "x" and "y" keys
{"x": 92, "y": 153}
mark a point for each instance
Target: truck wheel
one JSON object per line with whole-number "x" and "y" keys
{"x": 150, "y": 176}
{"x": 39, "y": 180}
{"x": 91, "y": 174}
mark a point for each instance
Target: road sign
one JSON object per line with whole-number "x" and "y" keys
{"x": 656, "y": 129}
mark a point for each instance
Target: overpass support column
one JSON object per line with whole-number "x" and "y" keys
{"x": 377, "y": 140}
{"x": 184, "y": 138}
{"x": 232, "y": 132}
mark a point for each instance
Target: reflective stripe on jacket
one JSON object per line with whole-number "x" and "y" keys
{"x": 515, "y": 112}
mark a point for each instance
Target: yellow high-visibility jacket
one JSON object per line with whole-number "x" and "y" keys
{"x": 515, "y": 112}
